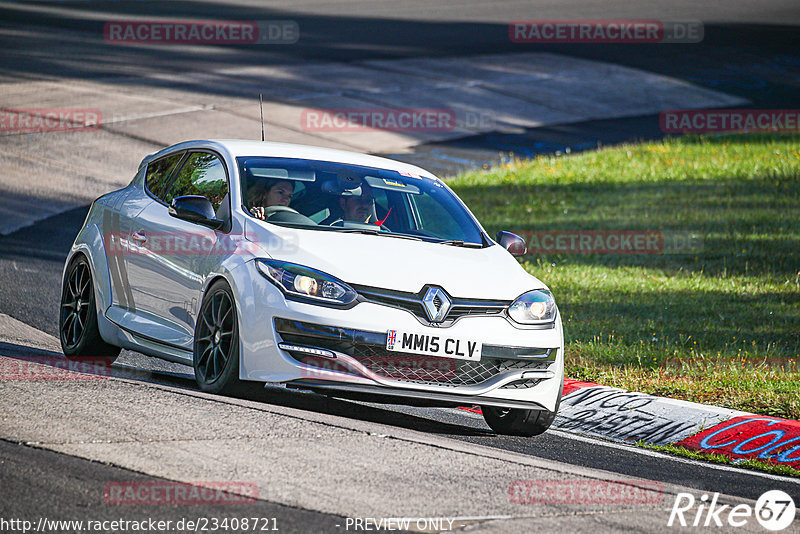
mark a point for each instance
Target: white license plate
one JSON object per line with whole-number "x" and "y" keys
{"x": 433, "y": 345}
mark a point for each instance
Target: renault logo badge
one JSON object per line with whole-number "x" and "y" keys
{"x": 437, "y": 304}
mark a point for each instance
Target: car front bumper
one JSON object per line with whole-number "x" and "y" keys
{"x": 344, "y": 350}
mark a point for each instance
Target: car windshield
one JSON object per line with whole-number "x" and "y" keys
{"x": 331, "y": 196}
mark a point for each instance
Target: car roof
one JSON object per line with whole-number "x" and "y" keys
{"x": 244, "y": 147}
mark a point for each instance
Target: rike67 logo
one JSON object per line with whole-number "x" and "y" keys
{"x": 775, "y": 511}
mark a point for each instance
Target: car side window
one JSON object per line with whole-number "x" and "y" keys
{"x": 202, "y": 174}
{"x": 158, "y": 172}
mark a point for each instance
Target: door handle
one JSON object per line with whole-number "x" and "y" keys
{"x": 139, "y": 237}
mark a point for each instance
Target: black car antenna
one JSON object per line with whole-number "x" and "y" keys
{"x": 261, "y": 106}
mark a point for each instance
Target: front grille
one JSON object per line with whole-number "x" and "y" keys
{"x": 412, "y": 303}
{"x": 365, "y": 348}
{"x": 431, "y": 370}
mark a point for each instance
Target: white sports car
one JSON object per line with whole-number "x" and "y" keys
{"x": 341, "y": 273}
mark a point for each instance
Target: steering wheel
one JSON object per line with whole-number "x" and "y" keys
{"x": 272, "y": 210}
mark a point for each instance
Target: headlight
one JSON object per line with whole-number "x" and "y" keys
{"x": 306, "y": 283}
{"x": 534, "y": 307}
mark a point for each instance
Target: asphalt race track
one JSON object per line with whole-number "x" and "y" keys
{"x": 57, "y": 454}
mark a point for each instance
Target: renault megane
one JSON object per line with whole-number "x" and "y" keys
{"x": 341, "y": 273}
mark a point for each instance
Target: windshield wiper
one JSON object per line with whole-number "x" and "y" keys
{"x": 377, "y": 232}
{"x": 404, "y": 236}
{"x": 460, "y": 243}
{"x": 355, "y": 230}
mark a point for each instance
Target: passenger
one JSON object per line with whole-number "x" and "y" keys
{"x": 268, "y": 193}
{"x": 358, "y": 208}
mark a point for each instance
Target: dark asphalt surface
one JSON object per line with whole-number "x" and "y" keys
{"x": 741, "y": 55}
{"x": 38, "y": 483}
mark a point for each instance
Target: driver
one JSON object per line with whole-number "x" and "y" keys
{"x": 268, "y": 193}
{"x": 358, "y": 208}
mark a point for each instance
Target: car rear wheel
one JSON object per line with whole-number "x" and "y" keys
{"x": 518, "y": 421}
{"x": 216, "y": 342}
{"x": 77, "y": 325}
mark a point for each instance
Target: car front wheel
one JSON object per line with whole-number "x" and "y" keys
{"x": 518, "y": 421}
{"x": 216, "y": 342}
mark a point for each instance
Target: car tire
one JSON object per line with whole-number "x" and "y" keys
{"x": 216, "y": 342}
{"x": 518, "y": 421}
{"x": 77, "y": 324}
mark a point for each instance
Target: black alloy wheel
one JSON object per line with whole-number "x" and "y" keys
{"x": 216, "y": 346}
{"x": 77, "y": 325}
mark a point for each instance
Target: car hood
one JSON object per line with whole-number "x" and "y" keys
{"x": 400, "y": 264}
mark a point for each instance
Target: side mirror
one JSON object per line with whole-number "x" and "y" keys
{"x": 512, "y": 243}
{"x": 196, "y": 209}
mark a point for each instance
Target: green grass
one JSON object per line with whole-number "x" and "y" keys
{"x": 720, "y": 325}
{"x": 748, "y": 463}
